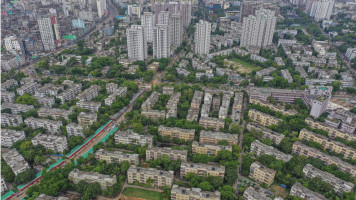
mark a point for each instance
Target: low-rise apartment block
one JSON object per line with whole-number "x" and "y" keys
{"x": 251, "y": 194}
{"x": 28, "y": 88}
{"x": 74, "y": 130}
{"x": 168, "y": 90}
{"x": 196, "y": 101}
{"x": 172, "y": 105}
{"x": 48, "y": 89}
{"x": 92, "y": 106}
{"x": 259, "y": 148}
{"x": 46, "y": 101}
{"x": 133, "y": 138}
{"x": 150, "y": 101}
{"x": 209, "y": 122}
{"x": 263, "y": 118}
{"x": 7, "y": 97}
{"x": 154, "y": 114}
{"x": 121, "y": 91}
{"x": 17, "y": 108}
{"x": 302, "y": 149}
{"x": 208, "y": 149}
{"x": 153, "y": 153}
{"x": 9, "y": 137}
{"x": 142, "y": 175}
{"x": 181, "y": 71}
{"x": 117, "y": 157}
{"x": 51, "y": 126}
{"x": 89, "y": 93}
{"x": 105, "y": 181}
{"x": 52, "y": 142}
{"x": 298, "y": 190}
{"x": 177, "y": 133}
{"x": 70, "y": 93}
{"x": 193, "y": 114}
{"x": 262, "y": 173}
{"x": 211, "y": 137}
{"x": 111, "y": 88}
{"x": 201, "y": 169}
{"x": 338, "y": 185}
{"x": 332, "y": 132}
{"x": 273, "y": 107}
{"x": 347, "y": 120}
{"x": 266, "y": 71}
{"x": 15, "y": 160}
{"x": 338, "y": 147}
{"x": 55, "y": 113}
{"x": 87, "y": 119}
{"x": 182, "y": 193}
{"x": 286, "y": 75}
{"x": 267, "y": 133}
{"x": 10, "y": 120}
{"x": 46, "y": 197}
{"x": 8, "y": 84}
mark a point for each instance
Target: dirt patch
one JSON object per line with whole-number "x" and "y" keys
{"x": 240, "y": 67}
{"x": 279, "y": 191}
{"x": 130, "y": 198}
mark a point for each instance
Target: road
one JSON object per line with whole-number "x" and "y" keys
{"x": 241, "y": 137}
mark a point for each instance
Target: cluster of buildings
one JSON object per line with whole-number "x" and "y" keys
{"x": 318, "y": 97}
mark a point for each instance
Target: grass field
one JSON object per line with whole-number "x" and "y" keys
{"x": 241, "y": 66}
{"x": 144, "y": 194}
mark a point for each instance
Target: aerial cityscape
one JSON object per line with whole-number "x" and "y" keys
{"x": 178, "y": 99}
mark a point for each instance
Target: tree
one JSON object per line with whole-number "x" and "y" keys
{"x": 235, "y": 128}
{"x": 25, "y": 176}
{"x": 206, "y": 186}
{"x": 26, "y": 99}
{"x": 227, "y": 192}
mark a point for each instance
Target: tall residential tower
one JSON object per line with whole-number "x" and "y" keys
{"x": 136, "y": 43}
{"x": 258, "y": 30}
{"x": 202, "y": 37}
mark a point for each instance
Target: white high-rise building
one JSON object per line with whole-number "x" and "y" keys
{"x": 48, "y": 27}
{"x": 163, "y": 17}
{"x": 136, "y": 43}
{"x": 186, "y": 13}
{"x": 176, "y": 28}
{"x": 320, "y": 9}
{"x": 101, "y": 7}
{"x": 258, "y": 30}
{"x": 161, "y": 42}
{"x": 147, "y": 21}
{"x": 202, "y": 37}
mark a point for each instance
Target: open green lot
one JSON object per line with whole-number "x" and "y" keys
{"x": 144, "y": 194}
{"x": 241, "y": 66}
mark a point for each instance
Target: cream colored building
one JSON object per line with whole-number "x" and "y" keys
{"x": 154, "y": 114}
{"x": 332, "y": 132}
{"x": 282, "y": 110}
{"x": 338, "y": 147}
{"x": 105, "y": 181}
{"x": 177, "y": 133}
{"x": 211, "y": 137}
{"x": 86, "y": 119}
{"x": 262, "y": 173}
{"x": 182, "y": 193}
{"x": 153, "y": 153}
{"x": 263, "y": 118}
{"x": 212, "y": 150}
{"x": 201, "y": 169}
{"x": 142, "y": 175}
{"x": 267, "y": 133}
{"x": 117, "y": 157}
{"x": 209, "y": 122}
{"x": 302, "y": 149}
